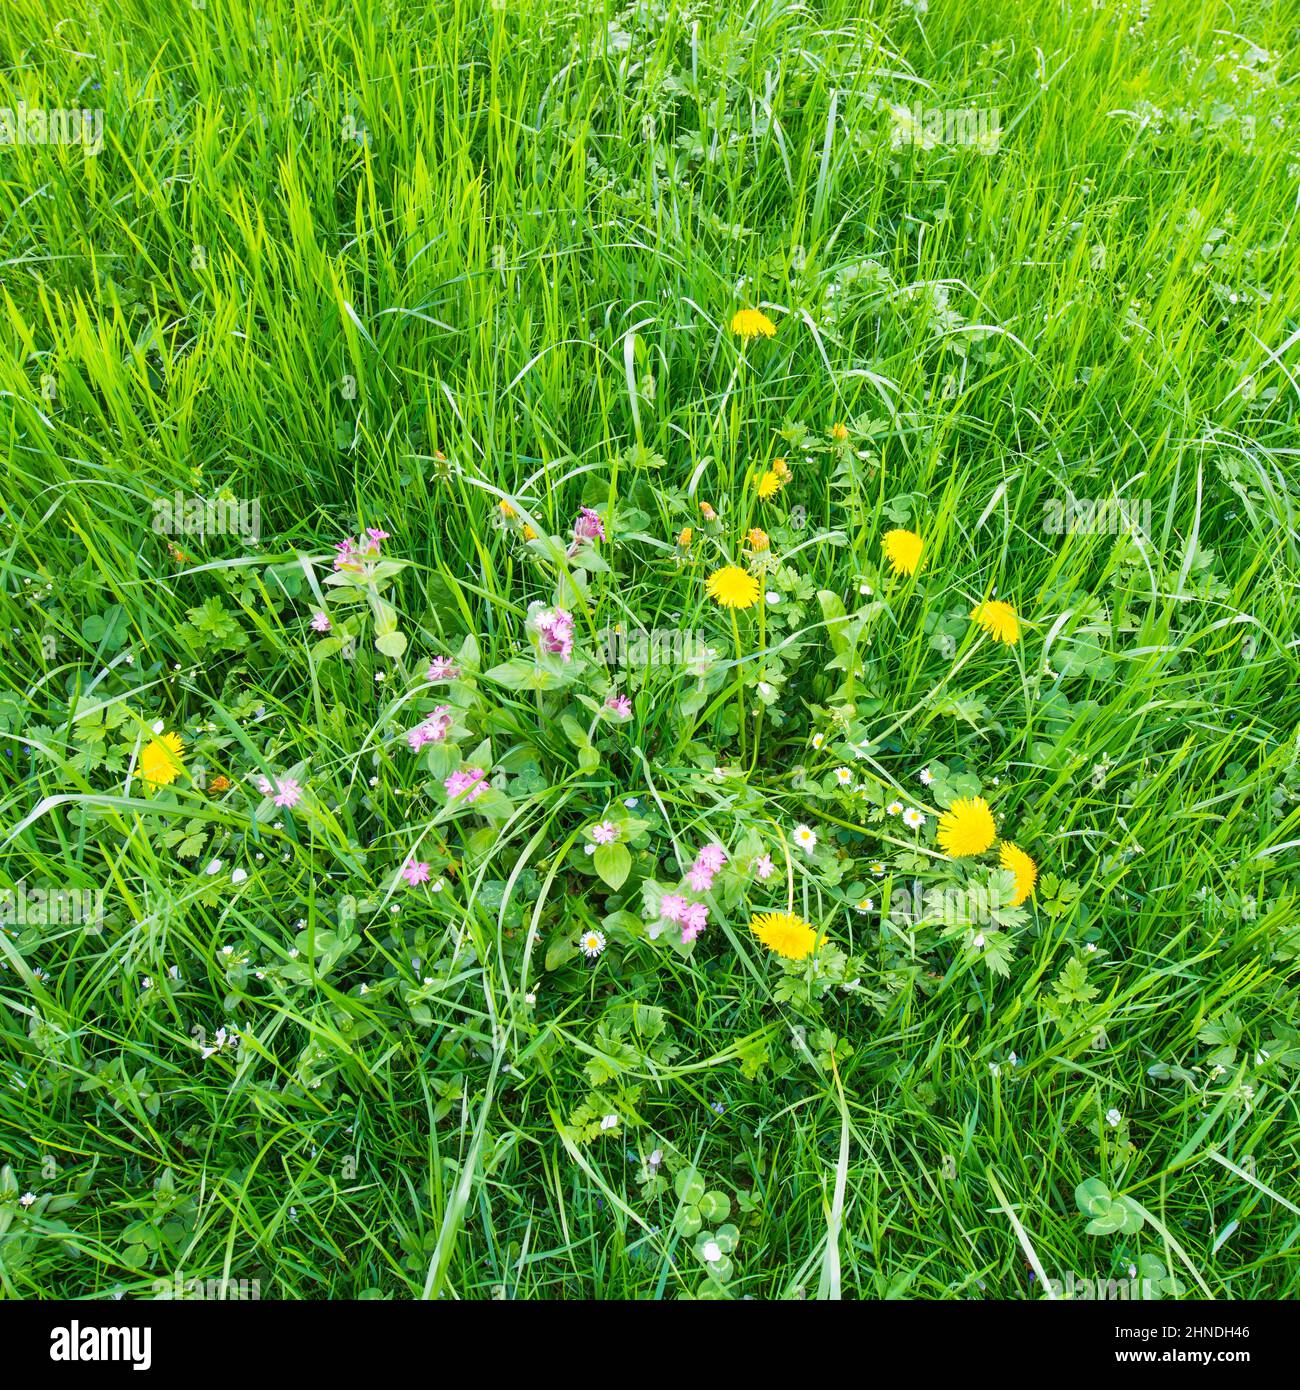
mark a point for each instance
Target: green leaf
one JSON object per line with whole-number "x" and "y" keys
{"x": 613, "y": 863}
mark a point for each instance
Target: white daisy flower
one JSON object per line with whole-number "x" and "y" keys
{"x": 843, "y": 776}
{"x": 895, "y": 808}
{"x": 926, "y": 776}
{"x": 913, "y": 819}
{"x": 592, "y": 944}
{"x": 805, "y": 838}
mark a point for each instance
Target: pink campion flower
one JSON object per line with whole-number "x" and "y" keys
{"x": 712, "y": 857}
{"x": 287, "y": 793}
{"x": 353, "y": 554}
{"x": 469, "y": 782}
{"x": 588, "y": 526}
{"x": 674, "y": 907}
{"x": 605, "y": 833}
{"x": 555, "y": 627}
{"x": 320, "y": 621}
{"x": 442, "y": 668}
{"x": 700, "y": 877}
{"x": 415, "y": 872}
{"x": 432, "y": 730}
{"x": 619, "y": 705}
{"x": 696, "y": 919}
{"x": 764, "y": 867}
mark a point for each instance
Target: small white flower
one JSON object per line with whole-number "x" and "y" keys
{"x": 27, "y": 1199}
{"x": 818, "y": 740}
{"x": 866, "y": 905}
{"x": 712, "y": 1251}
{"x": 805, "y": 838}
{"x": 978, "y": 942}
{"x": 609, "y": 1122}
{"x": 238, "y": 875}
{"x": 592, "y": 943}
{"x": 994, "y": 1068}
{"x": 1113, "y": 1117}
{"x": 926, "y": 776}
{"x": 895, "y": 808}
{"x": 213, "y": 868}
{"x": 913, "y": 819}
{"x": 157, "y": 728}
{"x": 773, "y": 597}
{"x": 843, "y": 776}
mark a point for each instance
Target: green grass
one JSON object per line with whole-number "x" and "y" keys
{"x": 390, "y": 265}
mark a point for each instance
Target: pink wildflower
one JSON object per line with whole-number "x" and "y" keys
{"x": 555, "y": 628}
{"x": 764, "y": 867}
{"x": 286, "y": 791}
{"x": 712, "y": 857}
{"x": 432, "y": 730}
{"x": 605, "y": 833}
{"x": 415, "y": 872}
{"x": 469, "y": 782}
{"x": 700, "y": 878}
{"x": 588, "y": 526}
{"x": 619, "y": 705}
{"x": 320, "y": 622}
{"x": 674, "y": 907}
{"x": 442, "y": 668}
{"x": 696, "y": 919}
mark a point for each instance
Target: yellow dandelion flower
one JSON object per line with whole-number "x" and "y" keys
{"x": 786, "y": 934}
{"x": 966, "y": 827}
{"x": 752, "y": 323}
{"x": 685, "y": 537}
{"x": 506, "y": 509}
{"x": 902, "y": 550}
{"x": 839, "y": 432}
{"x": 758, "y": 539}
{"x": 162, "y": 760}
{"x": 769, "y": 485}
{"x": 1024, "y": 868}
{"x": 782, "y": 470}
{"x": 733, "y": 587}
{"x": 528, "y": 533}
{"x": 999, "y": 620}
{"x": 707, "y": 512}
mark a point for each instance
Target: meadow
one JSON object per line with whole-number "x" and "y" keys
{"x": 649, "y": 652}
